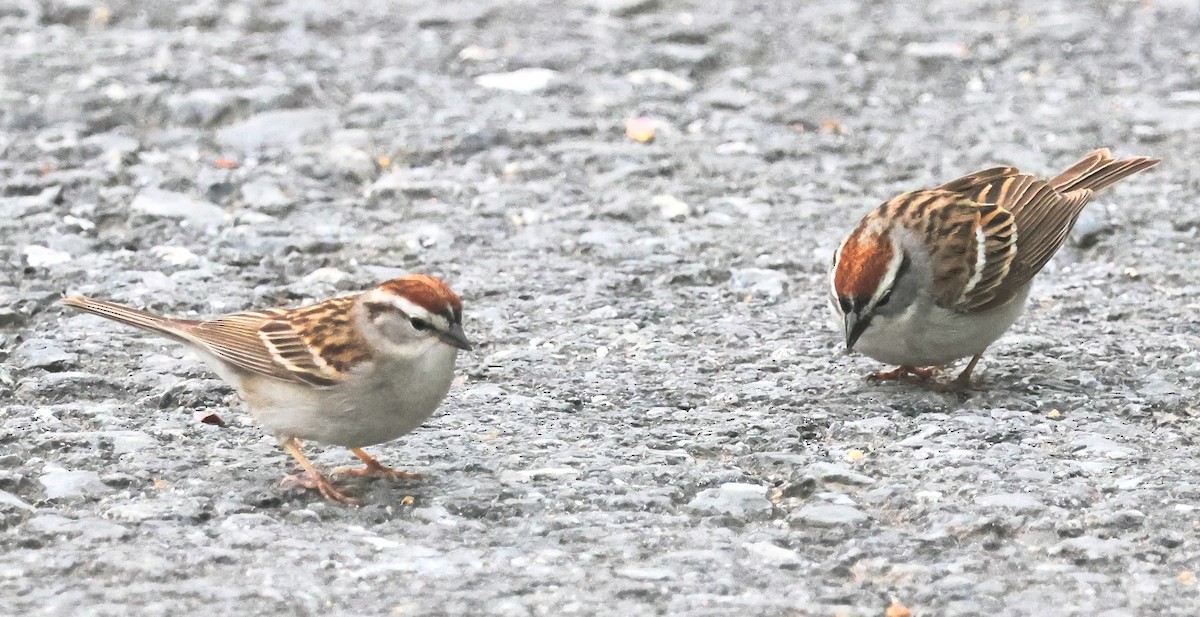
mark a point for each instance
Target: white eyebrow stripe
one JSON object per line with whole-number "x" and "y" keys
{"x": 889, "y": 278}
{"x": 837, "y": 259}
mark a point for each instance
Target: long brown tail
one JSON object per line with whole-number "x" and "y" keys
{"x": 1098, "y": 169}
{"x": 126, "y": 315}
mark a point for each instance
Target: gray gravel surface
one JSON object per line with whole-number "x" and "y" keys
{"x": 658, "y": 419}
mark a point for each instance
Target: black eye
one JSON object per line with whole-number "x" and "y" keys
{"x": 419, "y": 324}
{"x": 887, "y": 297}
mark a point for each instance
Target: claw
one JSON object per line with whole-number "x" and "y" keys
{"x": 900, "y": 372}
{"x": 923, "y": 377}
{"x": 322, "y": 485}
{"x": 311, "y": 478}
{"x": 372, "y": 467}
{"x": 379, "y": 471}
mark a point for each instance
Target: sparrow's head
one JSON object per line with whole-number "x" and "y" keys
{"x": 407, "y": 313}
{"x": 870, "y": 278}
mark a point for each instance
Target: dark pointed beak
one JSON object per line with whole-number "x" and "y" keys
{"x": 455, "y": 337}
{"x": 854, "y": 329}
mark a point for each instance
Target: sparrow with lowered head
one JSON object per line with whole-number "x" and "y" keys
{"x": 935, "y": 275}
{"x": 352, "y": 371}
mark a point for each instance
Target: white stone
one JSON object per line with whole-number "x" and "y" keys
{"x": 773, "y": 554}
{"x": 672, "y": 208}
{"x": 523, "y": 81}
{"x": 174, "y": 255}
{"x": 40, "y": 257}
{"x": 659, "y": 76}
{"x": 168, "y": 204}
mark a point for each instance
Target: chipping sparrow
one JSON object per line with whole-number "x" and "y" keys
{"x": 935, "y": 275}
{"x": 352, "y": 371}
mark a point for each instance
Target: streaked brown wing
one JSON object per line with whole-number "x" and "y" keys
{"x": 1042, "y": 217}
{"x": 315, "y": 345}
{"x": 319, "y": 343}
{"x": 1043, "y": 213}
{"x": 235, "y": 339}
{"x": 965, "y": 273}
{"x": 997, "y": 255}
{"x": 1044, "y": 225}
{"x": 1025, "y": 221}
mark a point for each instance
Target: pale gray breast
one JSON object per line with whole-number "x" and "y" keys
{"x": 392, "y": 398}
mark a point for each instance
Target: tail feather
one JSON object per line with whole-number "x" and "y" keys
{"x": 126, "y": 315}
{"x": 1098, "y": 169}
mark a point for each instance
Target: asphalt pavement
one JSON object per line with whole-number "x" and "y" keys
{"x": 658, "y": 418}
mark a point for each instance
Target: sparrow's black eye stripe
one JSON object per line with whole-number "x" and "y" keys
{"x": 419, "y": 324}
{"x": 844, "y": 302}
{"x": 887, "y": 297}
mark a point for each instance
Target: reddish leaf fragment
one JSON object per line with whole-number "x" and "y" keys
{"x": 208, "y": 417}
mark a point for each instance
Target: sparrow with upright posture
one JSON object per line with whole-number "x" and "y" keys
{"x": 935, "y": 275}
{"x": 352, "y": 371}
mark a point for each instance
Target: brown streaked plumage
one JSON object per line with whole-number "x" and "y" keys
{"x": 1043, "y": 212}
{"x": 316, "y": 344}
{"x": 354, "y": 371}
{"x": 965, "y": 252}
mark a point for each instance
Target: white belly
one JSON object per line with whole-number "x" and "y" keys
{"x": 933, "y": 336}
{"x": 375, "y": 406}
